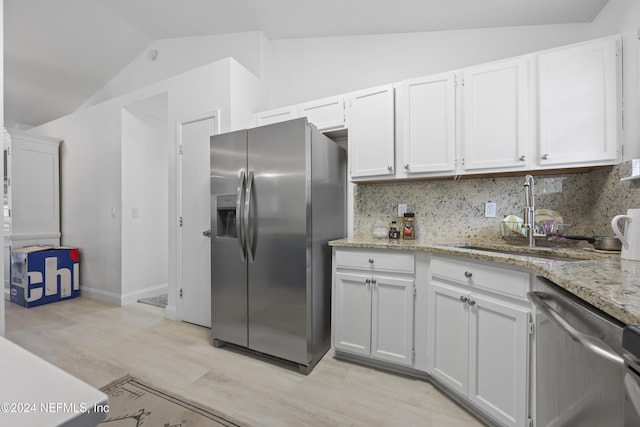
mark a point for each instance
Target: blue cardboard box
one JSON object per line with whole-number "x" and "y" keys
{"x": 44, "y": 274}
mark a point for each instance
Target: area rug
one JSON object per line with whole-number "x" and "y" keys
{"x": 159, "y": 301}
{"x": 135, "y": 403}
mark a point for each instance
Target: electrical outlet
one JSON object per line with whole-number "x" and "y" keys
{"x": 402, "y": 209}
{"x": 490, "y": 210}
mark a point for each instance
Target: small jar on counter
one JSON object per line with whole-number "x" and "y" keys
{"x": 408, "y": 232}
{"x": 394, "y": 231}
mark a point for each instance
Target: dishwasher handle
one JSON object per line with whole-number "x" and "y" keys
{"x": 591, "y": 343}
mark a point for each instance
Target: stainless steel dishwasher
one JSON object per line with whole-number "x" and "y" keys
{"x": 579, "y": 367}
{"x": 631, "y": 346}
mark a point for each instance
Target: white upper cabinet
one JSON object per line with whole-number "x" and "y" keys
{"x": 326, "y": 114}
{"x": 32, "y": 188}
{"x": 495, "y": 105}
{"x": 275, "y": 116}
{"x": 428, "y": 138}
{"x": 372, "y": 133}
{"x": 578, "y": 104}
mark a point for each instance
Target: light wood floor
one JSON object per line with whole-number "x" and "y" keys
{"x": 99, "y": 343}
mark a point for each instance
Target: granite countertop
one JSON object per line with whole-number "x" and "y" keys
{"x": 601, "y": 279}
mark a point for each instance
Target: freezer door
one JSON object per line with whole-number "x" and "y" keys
{"x": 277, "y": 240}
{"x": 228, "y": 258}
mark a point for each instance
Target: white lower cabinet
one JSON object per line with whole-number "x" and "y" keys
{"x": 478, "y": 342}
{"x": 374, "y": 310}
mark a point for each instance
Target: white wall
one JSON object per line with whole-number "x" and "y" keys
{"x": 177, "y": 56}
{"x": 91, "y": 171}
{"x": 623, "y": 17}
{"x": 145, "y": 181}
{"x": 306, "y": 69}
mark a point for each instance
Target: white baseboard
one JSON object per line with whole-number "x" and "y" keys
{"x": 100, "y": 295}
{"x": 152, "y": 291}
{"x": 170, "y": 312}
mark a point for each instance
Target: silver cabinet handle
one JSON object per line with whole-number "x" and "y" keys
{"x": 522, "y": 158}
{"x": 471, "y": 302}
{"x": 591, "y": 343}
{"x": 370, "y": 260}
{"x": 463, "y": 298}
{"x": 545, "y": 157}
{"x": 390, "y": 168}
{"x": 367, "y": 281}
{"x": 373, "y": 281}
{"x": 207, "y": 233}
{"x": 406, "y": 167}
{"x": 468, "y": 274}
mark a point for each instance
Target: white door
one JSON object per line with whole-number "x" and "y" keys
{"x": 494, "y": 116}
{"x": 448, "y": 337}
{"x": 392, "y": 320}
{"x": 194, "y": 288}
{"x": 372, "y": 132}
{"x": 352, "y": 327}
{"x": 428, "y": 124}
{"x": 498, "y": 349}
{"x": 578, "y": 104}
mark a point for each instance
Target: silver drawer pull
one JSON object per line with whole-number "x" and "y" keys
{"x": 370, "y": 260}
{"x": 463, "y": 298}
{"x": 373, "y": 281}
{"x": 545, "y": 157}
{"x": 468, "y": 274}
{"x": 471, "y": 302}
{"x": 367, "y": 281}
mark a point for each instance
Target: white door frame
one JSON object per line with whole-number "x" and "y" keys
{"x": 215, "y": 115}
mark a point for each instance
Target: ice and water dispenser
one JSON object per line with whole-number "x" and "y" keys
{"x": 226, "y": 216}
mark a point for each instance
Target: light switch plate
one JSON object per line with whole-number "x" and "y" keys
{"x": 490, "y": 210}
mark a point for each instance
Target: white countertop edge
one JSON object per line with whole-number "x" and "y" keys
{"x": 29, "y": 386}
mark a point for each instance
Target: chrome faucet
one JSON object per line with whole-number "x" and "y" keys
{"x": 530, "y": 210}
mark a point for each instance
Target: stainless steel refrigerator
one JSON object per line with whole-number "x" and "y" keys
{"x": 278, "y": 195}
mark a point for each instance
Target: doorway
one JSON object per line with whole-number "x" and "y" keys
{"x": 145, "y": 198}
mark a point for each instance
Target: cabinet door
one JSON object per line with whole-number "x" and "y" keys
{"x": 448, "y": 337}
{"x": 275, "y": 116}
{"x": 428, "y": 125}
{"x": 35, "y": 187}
{"x": 352, "y": 327}
{"x": 494, "y": 116}
{"x": 392, "y": 320}
{"x": 498, "y": 359}
{"x": 326, "y": 114}
{"x": 372, "y": 132}
{"x": 578, "y": 104}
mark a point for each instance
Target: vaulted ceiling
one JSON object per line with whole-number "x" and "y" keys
{"x": 59, "y": 53}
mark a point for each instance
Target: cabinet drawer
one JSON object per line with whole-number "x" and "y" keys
{"x": 503, "y": 281}
{"x": 375, "y": 261}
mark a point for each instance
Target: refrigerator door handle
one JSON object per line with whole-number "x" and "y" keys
{"x": 239, "y": 214}
{"x": 247, "y": 218}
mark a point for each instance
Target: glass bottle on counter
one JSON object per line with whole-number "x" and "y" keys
{"x": 394, "y": 231}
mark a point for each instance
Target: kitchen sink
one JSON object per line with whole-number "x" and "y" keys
{"x": 528, "y": 252}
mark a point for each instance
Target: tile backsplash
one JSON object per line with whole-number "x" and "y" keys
{"x": 453, "y": 211}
